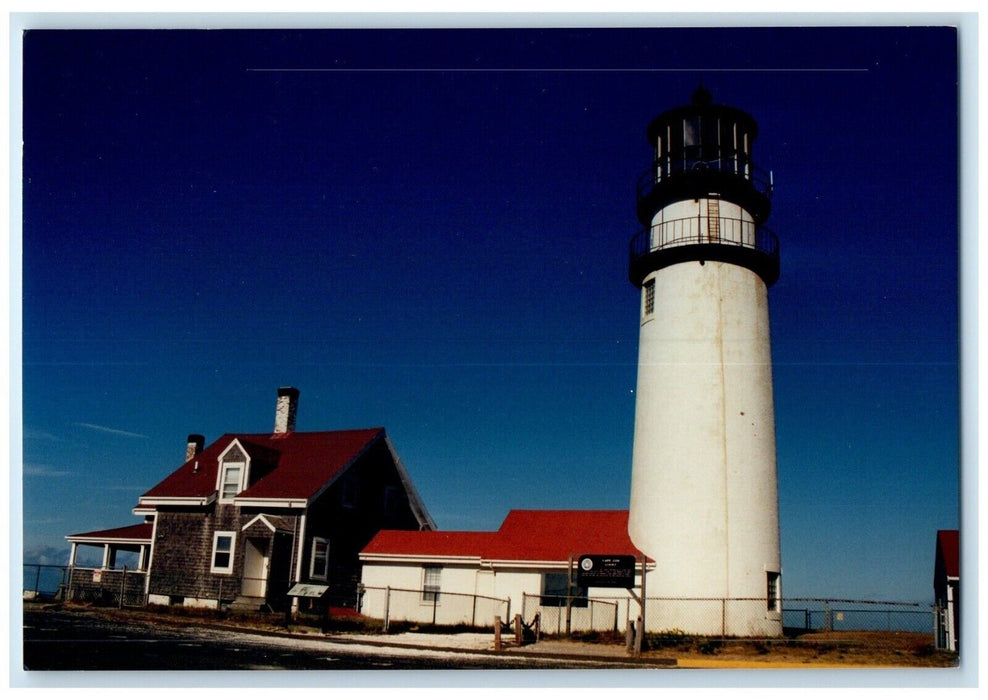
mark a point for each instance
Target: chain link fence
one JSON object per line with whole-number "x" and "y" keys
{"x": 835, "y": 614}
{"x": 431, "y": 607}
{"x": 110, "y": 587}
{"x": 730, "y": 617}
{"x": 44, "y": 581}
{"x": 562, "y": 615}
{"x": 703, "y": 616}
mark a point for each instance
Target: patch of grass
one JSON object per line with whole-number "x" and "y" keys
{"x": 669, "y": 639}
{"x": 598, "y": 637}
{"x": 399, "y": 626}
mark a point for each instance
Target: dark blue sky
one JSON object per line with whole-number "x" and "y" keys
{"x": 428, "y": 230}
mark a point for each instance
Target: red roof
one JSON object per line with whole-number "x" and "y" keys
{"x": 429, "y": 543}
{"x": 298, "y": 465}
{"x": 525, "y": 535}
{"x": 948, "y": 552}
{"x": 130, "y": 532}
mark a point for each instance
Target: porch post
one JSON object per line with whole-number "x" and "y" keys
{"x": 72, "y": 553}
{"x": 106, "y": 557}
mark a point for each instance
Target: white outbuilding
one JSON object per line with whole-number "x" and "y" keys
{"x": 527, "y": 566}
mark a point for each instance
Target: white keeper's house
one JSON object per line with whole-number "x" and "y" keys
{"x": 526, "y": 566}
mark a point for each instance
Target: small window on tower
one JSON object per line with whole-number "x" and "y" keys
{"x": 773, "y": 590}
{"x": 649, "y": 297}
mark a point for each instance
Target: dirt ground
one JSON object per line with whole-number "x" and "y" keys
{"x": 861, "y": 649}
{"x": 846, "y": 649}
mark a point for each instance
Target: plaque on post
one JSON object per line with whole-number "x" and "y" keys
{"x": 605, "y": 571}
{"x": 308, "y": 590}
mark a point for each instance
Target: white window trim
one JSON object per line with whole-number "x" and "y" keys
{"x": 227, "y": 466}
{"x": 648, "y": 305}
{"x": 233, "y": 549}
{"x": 221, "y": 472}
{"x": 313, "y": 574}
{"x": 437, "y": 588}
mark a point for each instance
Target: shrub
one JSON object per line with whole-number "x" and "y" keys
{"x": 674, "y": 638}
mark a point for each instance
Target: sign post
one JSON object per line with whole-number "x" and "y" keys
{"x": 614, "y": 571}
{"x": 309, "y": 590}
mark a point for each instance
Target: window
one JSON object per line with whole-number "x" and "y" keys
{"x": 431, "y": 577}
{"x": 649, "y": 297}
{"x": 223, "y": 552}
{"x": 390, "y": 500}
{"x": 230, "y": 485}
{"x": 349, "y": 497}
{"x": 554, "y": 592}
{"x": 233, "y": 472}
{"x": 319, "y": 564}
{"x": 772, "y": 593}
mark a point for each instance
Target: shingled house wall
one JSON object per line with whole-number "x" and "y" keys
{"x": 182, "y": 555}
{"x": 349, "y": 527}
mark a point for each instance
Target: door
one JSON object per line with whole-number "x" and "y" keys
{"x": 256, "y": 562}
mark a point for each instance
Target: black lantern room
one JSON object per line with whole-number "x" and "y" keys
{"x": 702, "y": 151}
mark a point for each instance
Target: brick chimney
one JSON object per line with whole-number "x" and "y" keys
{"x": 285, "y": 410}
{"x": 193, "y": 446}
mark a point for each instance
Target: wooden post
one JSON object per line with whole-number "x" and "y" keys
{"x": 629, "y": 636}
{"x": 123, "y": 586}
{"x": 641, "y": 620}
{"x": 639, "y": 635}
{"x": 723, "y": 617}
{"x": 497, "y": 633}
{"x": 518, "y": 634}
{"x": 569, "y": 596}
{"x": 387, "y": 607}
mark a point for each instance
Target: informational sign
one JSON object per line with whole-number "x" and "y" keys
{"x": 307, "y": 590}
{"x": 97, "y": 576}
{"x": 605, "y": 571}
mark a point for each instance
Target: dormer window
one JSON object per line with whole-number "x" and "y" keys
{"x": 233, "y": 473}
{"x": 350, "y": 486}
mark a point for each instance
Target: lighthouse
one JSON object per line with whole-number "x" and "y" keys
{"x": 704, "y": 495}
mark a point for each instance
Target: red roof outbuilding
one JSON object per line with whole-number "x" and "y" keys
{"x": 948, "y": 553}
{"x": 524, "y": 536}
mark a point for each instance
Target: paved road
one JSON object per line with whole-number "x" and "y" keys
{"x": 73, "y": 641}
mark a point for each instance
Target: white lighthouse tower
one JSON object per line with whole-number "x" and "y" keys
{"x": 704, "y": 499}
